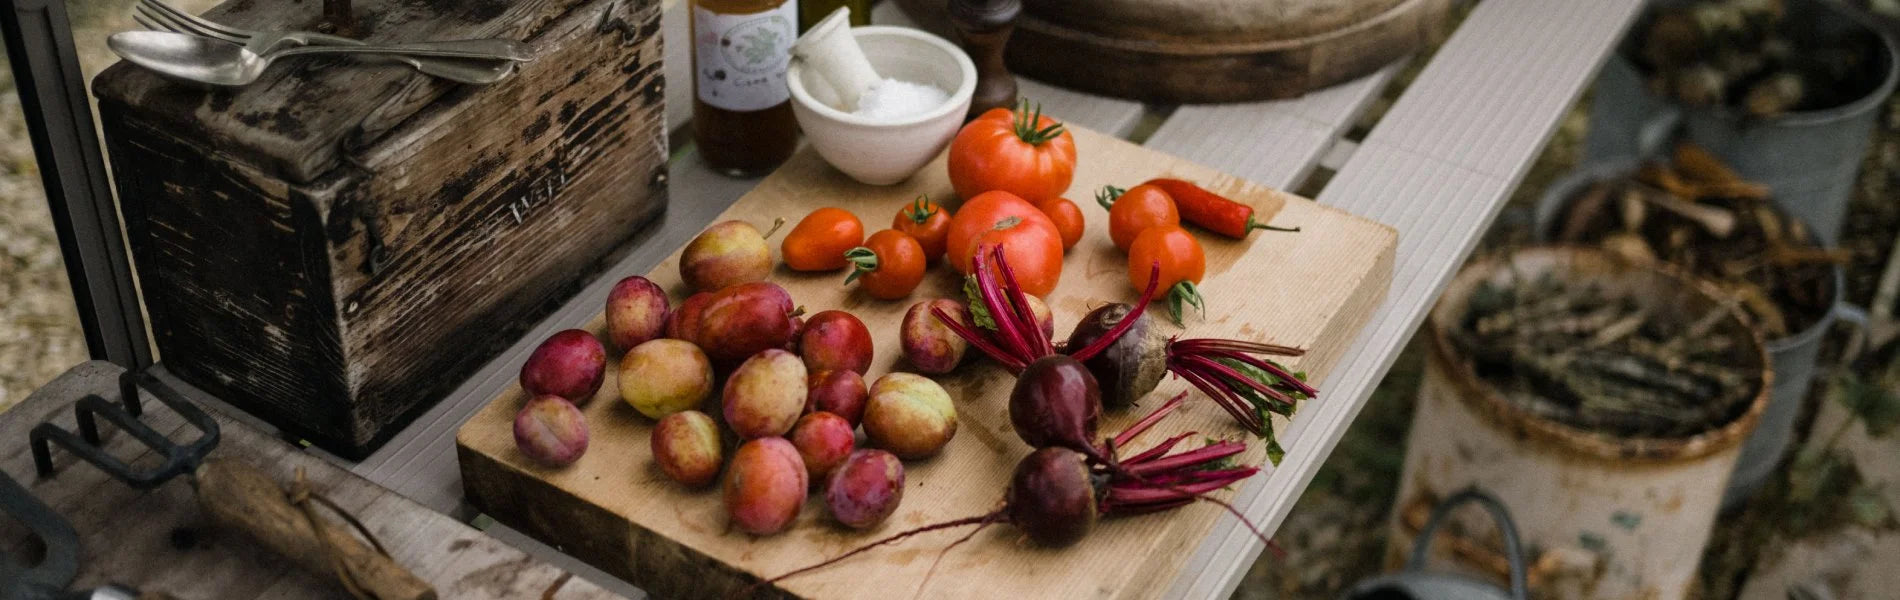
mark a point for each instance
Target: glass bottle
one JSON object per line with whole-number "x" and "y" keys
{"x": 742, "y": 110}
{"x": 810, "y": 12}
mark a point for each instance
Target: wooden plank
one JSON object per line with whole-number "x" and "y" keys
{"x": 158, "y": 541}
{"x": 1276, "y": 143}
{"x": 1109, "y": 115}
{"x": 611, "y": 510}
{"x": 1438, "y": 167}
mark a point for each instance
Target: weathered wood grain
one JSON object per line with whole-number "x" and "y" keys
{"x": 615, "y": 510}
{"x": 162, "y": 541}
{"x": 339, "y": 300}
{"x": 1189, "y": 51}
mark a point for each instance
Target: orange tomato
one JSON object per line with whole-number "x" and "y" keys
{"x": 927, "y": 223}
{"x": 1182, "y": 265}
{"x": 1134, "y": 210}
{"x": 985, "y": 212}
{"x": 1067, "y": 218}
{"x": 819, "y": 241}
{"x": 1020, "y": 152}
{"x": 889, "y": 265}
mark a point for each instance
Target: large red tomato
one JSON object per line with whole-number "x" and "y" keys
{"x": 1023, "y": 153}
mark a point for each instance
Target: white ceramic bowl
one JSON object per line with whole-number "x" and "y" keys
{"x": 883, "y": 153}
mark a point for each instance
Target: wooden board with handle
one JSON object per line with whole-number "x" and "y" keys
{"x": 614, "y": 509}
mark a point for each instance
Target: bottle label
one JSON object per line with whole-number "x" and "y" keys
{"x": 741, "y": 59}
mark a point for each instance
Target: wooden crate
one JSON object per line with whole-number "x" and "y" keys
{"x": 338, "y": 245}
{"x": 614, "y": 508}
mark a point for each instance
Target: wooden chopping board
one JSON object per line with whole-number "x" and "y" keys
{"x": 614, "y": 509}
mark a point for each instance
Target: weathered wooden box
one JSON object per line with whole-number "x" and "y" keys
{"x": 338, "y": 245}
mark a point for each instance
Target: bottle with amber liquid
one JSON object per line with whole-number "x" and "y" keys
{"x": 742, "y": 110}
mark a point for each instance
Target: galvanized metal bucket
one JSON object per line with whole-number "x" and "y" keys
{"x": 1791, "y": 357}
{"x": 1416, "y": 583}
{"x": 1810, "y": 159}
{"x": 1612, "y": 517}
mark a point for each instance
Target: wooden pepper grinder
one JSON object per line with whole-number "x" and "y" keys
{"x": 984, "y": 26}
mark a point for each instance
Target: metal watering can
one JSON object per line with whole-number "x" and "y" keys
{"x": 1416, "y": 583}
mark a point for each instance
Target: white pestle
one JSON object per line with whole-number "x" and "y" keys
{"x": 830, "y": 49}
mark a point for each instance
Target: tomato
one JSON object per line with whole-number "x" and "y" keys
{"x": 1034, "y": 254}
{"x": 1067, "y": 218}
{"x": 927, "y": 223}
{"x": 1020, "y": 152}
{"x": 1136, "y": 209}
{"x": 1182, "y": 265}
{"x": 819, "y": 241}
{"x": 983, "y": 213}
{"x": 889, "y": 265}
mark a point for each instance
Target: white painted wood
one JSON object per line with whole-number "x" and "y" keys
{"x": 1437, "y": 167}
{"x": 1276, "y": 143}
{"x": 1113, "y": 116}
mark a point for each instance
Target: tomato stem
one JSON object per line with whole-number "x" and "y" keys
{"x": 863, "y": 259}
{"x": 1108, "y": 195}
{"x": 1185, "y": 293}
{"x": 1028, "y": 123}
{"x": 920, "y": 210}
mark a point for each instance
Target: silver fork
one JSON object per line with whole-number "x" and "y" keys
{"x": 156, "y": 15}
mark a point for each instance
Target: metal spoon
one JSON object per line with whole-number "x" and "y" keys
{"x": 219, "y": 62}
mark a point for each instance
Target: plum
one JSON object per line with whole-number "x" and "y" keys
{"x": 909, "y": 415}
{"x": 840, "y": 393}
{"x": 686, "y": 445}
{"x": 835, "y": 340}
{"x": 928, "y": 345}
{"x": 1044, "y": 317}
{"x": 865, "y": 489}
{"x": 823, "y": 440}
{"x": 683, "y": 322}
{"x": 551, "y": 431}
{"x": 765, "y": 395}
{"x": 726, "y": 254}
{"x": 570, "y": 364}
{"x": 665, "y": 376}
{"x": 765, "y": 486}
{"x": 636, "y": 312}
{"x": 740, "y": 321}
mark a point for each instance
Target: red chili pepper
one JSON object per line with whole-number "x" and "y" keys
{"x": 1212, "y": 211}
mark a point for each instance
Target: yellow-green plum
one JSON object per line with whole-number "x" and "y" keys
{"x": 909, "y": 415}
{"x": 665, "y": 376}
{"x": 765, "y": 395}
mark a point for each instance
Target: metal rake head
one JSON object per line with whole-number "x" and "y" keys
{"x": 178, "y": 458}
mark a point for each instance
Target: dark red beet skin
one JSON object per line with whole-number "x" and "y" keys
{"x": 1056, "y": 403}
{"x": 1051, "y": 498}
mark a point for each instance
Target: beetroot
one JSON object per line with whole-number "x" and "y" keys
{"x": 1056, "y": 494}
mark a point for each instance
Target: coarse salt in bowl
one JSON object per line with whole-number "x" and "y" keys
{"x": 884, "y": 152}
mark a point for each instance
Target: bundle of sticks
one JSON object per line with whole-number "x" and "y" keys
{"x": 1695, "y": 212}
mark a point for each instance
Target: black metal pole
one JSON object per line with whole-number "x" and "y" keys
{"x": 52, "y": 92}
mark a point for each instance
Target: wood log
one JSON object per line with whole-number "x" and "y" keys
{"x": 239, "y": 496}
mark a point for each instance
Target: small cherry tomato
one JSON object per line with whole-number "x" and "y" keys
{"x": 889, "y": 265}
{"x": 1034, "y": 254}
{"x": 1136, "y": 209}
{"x": 1182, "y": 265}
{"x": 927, "y": 223}
{"x": 819, "y": 241}
{"x": 1067, "y": 217}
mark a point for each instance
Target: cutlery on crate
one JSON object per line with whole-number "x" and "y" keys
{"x": 219, "y": 62}
{"x": 169, "y": 18}
{"x": 160, "y": 16}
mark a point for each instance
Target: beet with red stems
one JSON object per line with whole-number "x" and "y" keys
{"x": 1056, "y": 403}
{"x": 1056, "y": 494}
